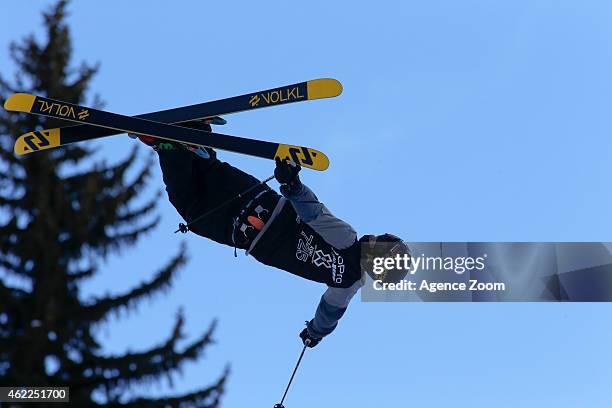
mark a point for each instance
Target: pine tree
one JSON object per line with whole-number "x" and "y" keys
{"x": 61, "y": 213}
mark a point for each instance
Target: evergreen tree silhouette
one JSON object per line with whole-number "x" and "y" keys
{"x": 61, "y": 213}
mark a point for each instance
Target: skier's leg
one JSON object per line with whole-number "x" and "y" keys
{"x": 196, "y": 185}
{"x": 223, "y": 182}
{"x": 183, "y": 180}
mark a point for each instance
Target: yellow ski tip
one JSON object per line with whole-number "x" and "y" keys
{"x": 324, "y": 88}
{"x": 20, "y": 102}
{"x": 304, "y": 156}
{"x": 35, "y": 141}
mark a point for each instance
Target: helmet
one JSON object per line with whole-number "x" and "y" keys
{"x": 375, "y": 249}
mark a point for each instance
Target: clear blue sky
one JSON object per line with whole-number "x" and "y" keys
{"x": 470, "y": 120}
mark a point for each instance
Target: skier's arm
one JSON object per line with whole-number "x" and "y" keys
{"x": 332, "y": 229}
{"x": 307, "y": 206}
{"x": 331, "y": 308}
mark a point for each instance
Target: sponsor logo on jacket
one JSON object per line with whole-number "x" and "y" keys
{"x": 307, "y": 252}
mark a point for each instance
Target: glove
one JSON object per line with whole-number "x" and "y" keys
{"x": 309, "y": 340}
{"x": 286, "y": 173}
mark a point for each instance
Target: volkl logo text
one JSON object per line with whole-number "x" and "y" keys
{"x": 277, "y": 96}
{"x": 62, "y": 110}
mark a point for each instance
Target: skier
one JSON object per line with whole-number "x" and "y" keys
{"x": 293, "y": 232}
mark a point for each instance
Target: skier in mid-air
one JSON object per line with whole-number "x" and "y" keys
{"x": 293, "y": 232}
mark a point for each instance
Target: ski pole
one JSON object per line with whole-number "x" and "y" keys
{"x": 185, "y": 227}
{"x": 280, "y": 405}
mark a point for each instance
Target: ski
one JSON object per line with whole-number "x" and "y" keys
{"x": 33, "y": 141}
{"x": 186, "y": 115}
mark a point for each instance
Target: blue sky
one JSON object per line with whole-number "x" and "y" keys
{"x": 471, "y": 120}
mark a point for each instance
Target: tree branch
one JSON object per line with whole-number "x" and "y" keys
{"x": 209, "y": 397}
{"x": 101, "y": 307}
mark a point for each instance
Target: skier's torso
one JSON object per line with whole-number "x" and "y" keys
{"x": 288, "y": 243}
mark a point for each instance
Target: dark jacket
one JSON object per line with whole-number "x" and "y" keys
{"x": 301, "y": 235}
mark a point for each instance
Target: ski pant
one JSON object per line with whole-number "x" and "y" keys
{"x": 196, "y": 185}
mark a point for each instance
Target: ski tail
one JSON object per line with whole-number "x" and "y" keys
{"x": 323, "y": 88}
{"x": 304, "y": 156}
{"x": 31, "y": 141}
{"x": 20, "y": 102}
{"x": 35, "y": 141}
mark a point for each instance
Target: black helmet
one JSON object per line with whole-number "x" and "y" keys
{"x": 376, "y": 248}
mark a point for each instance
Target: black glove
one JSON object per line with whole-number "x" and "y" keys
{"x": 306, "y": 337}
{"x": 286, "y": 173}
